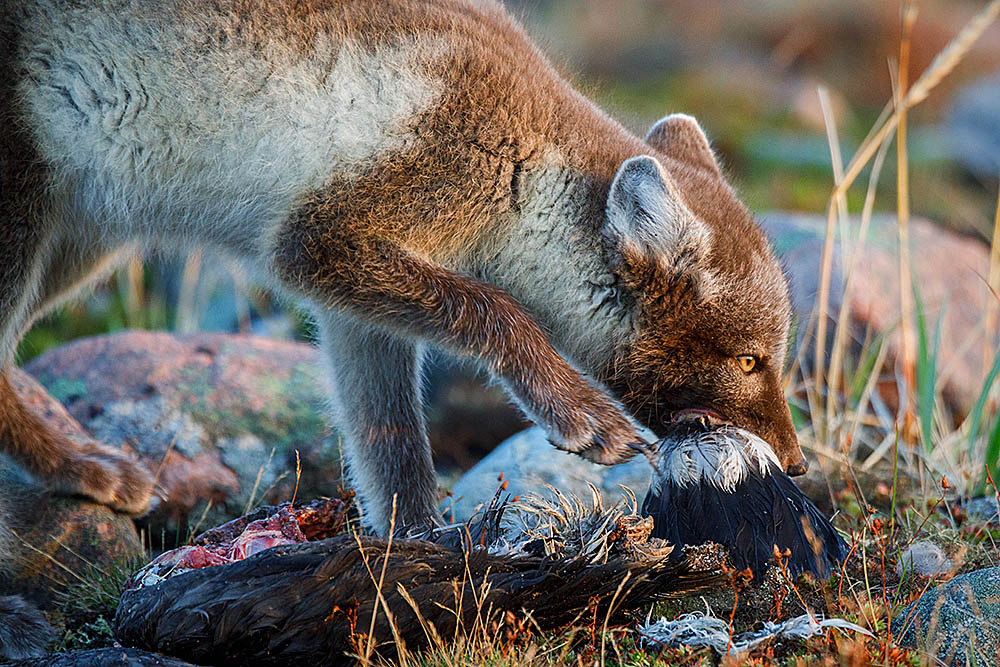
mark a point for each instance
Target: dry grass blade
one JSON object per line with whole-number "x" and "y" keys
{"x": 940, "y": 67}
{"x": 948, "y": 59}
{"x": 298, "y": 475}
{"x": 256, "y": 483}
{"x": 135, "y": 293}
{"x": 840, "y": 201}
{"x": 842, "y": 327}
{"x": 866, "y": 396}
{"x": 370, "y": 643}
{"x": 611, "y": 607}
{"x": 433, "y": 638}
{"x": 994, "y": 283}
{"x": 187, "y": 313}
{"x": 833, "y": 140}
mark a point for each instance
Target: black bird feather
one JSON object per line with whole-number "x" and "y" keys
{"x": 724, "y": 485}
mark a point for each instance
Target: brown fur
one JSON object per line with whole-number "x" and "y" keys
{"x": 422, "y": 244}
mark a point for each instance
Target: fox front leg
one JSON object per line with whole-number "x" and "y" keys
{"x": 380, "y": 283}
{"x": 375, "y": 378}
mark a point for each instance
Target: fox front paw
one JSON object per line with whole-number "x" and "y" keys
{"x": 599, "y": 432}
{"x": 109, "y": 477}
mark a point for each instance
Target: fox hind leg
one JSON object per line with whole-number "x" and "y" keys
{"x": 39, "y": 274}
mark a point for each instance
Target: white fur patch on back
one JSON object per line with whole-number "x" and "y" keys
{"x": 155, "y": 135}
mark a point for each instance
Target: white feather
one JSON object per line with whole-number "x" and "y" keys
{"x": 722, "y": 457}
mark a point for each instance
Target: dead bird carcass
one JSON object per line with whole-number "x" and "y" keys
{"x": 314, "y": 600}
{"x": 723, "y": 484}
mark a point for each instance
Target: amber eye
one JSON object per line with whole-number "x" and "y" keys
{"x": 747, "y": 362}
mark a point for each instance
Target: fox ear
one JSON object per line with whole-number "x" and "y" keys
{"x": 681, "y": 137}
{"x": 647, "y": 223}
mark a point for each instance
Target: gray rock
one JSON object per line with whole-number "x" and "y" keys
{"x": 925, "y": 559}
{"x": 984, "y": 508}
{"x": 972, "y": 129}
{"x": 528, "y": 462}
{"x": 958, "y": 622}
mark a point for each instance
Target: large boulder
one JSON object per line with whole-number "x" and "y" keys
{"x": 958, "y": 622}
{"x": 222, "y": 421}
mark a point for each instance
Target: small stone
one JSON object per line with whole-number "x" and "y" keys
{"x": 925, "y": 559}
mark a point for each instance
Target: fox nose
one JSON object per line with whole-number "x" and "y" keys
{"x": 797, "y": 468}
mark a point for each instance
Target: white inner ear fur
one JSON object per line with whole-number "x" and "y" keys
{"x": 645, "y": 212}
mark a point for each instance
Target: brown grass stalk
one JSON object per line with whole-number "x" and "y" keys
{"x": 821, "y": 427}
{"x": 842, "y": 326}
{"x": 134, "y": 293}
{"x": 298, "y": 475}
{"x": 823, "y": 306}
{"x": 940, "y": 67}
{"x": 611, "y": 608}
{"x": 187, "y": 312}
{"x": 994, "y": 283}
{"x": 908, "y": 398}
{"x": 430, "y": 632}
{"x": 866, "y": 395}
{"x": 370, "y": 643}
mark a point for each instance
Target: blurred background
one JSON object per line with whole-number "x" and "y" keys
{"x": 750, "y": 72}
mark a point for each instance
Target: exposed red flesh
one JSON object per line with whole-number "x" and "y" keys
{"x": 245, "y": 536}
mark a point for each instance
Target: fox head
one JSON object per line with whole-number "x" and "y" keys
{"x": 707, "y": 299}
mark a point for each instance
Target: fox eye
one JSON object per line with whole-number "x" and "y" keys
{"x": 747, "y": 362}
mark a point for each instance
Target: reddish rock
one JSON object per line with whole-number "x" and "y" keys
{"x": 216, "y": 418}
{"x": 949, "y": 272}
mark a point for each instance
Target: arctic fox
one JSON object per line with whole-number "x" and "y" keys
{"x": 417, "y": 174}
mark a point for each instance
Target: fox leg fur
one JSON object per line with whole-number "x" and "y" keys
{"x": 376, "y": 394}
